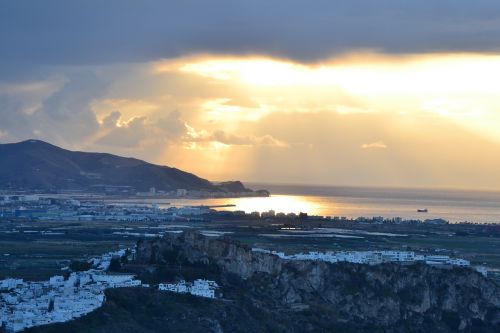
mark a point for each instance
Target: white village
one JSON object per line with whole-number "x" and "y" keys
{"x": 377, "y": 257}
{"x": 26, "y": 304}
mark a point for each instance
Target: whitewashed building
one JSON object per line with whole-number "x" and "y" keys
{"x": 199, "y": 287}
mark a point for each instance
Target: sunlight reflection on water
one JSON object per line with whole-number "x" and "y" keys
{"x": 279, "y": 203}
{"x": 480, "y": 211}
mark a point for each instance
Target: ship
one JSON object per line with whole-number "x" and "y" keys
{"x": 422, "y": 210}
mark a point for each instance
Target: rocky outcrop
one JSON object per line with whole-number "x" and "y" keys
{"x": 386, "y": 297}
{"x": 231, "y": 256}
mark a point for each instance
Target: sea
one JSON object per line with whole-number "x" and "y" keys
{"x": 352, "y": 202}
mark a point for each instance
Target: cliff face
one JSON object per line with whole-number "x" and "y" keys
{"x": 227, "y": 254}
{"x": 387, "y": 297}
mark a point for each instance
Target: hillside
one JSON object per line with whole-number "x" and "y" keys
{"x": 37, "y": 165}
{"x": 263, "y": 293}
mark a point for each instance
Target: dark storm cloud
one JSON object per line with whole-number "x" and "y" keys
{"x": 52, "y": 32}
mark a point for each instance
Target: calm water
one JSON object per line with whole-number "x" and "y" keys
{"x": 452, "y": 205}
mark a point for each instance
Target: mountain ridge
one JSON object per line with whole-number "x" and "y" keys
{"x": 39, "y": 165}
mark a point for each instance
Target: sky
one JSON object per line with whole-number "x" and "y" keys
{"x": 358, "y": 92}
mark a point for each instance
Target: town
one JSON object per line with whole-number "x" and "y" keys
{"x": 41, "y": 208}
{"x": 35, "y": 207}
{"x": 75, "y": 293}
{"x": 378, "y": 257}
{"x": 26, "y": 304}
{"x": 199, "y": 287}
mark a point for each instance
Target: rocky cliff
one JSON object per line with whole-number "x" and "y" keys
{"x": 381, "y": 298}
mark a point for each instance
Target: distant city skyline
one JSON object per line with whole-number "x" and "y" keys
{"x": 349, "y": 93}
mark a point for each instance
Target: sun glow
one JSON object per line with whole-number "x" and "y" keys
{"x": 266, "y": 72}
{"x": 371, "y": 75}
{"x": 459, "y": 87}
{"x": 279, "y": 203}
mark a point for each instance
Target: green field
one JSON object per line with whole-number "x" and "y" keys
{"x": 37, "y": 250}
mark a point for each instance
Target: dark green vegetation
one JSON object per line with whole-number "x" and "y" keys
{"x": 37, "y": 250}
{"x": 79, "y": 265}
{"x": 38, "y": 165}
{"x": 297, "y": 297}
{"x": 148, "y": 311}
